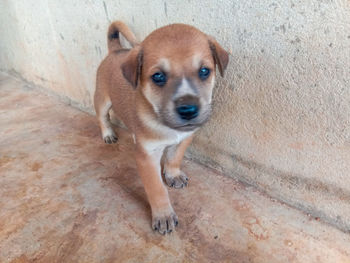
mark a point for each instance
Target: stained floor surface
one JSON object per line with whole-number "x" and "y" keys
{"x": 65, "y": 196}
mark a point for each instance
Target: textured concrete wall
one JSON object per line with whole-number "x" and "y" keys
{"x": 282, "y": 114}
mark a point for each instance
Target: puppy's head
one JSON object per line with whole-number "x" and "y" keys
{"x": 174, "y": 68}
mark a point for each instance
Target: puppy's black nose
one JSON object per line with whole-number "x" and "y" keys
{"x": 187, "y": 112}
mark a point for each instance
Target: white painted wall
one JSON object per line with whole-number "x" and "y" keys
{"x": 282, "y": 114}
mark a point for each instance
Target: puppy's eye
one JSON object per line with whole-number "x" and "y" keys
{"x": 159, "y": 78}
{"x": 204, "y": 73}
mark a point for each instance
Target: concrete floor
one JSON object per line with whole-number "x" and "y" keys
{"x": 65, "y": 196}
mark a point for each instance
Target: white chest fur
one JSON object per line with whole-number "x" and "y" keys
{"x": 173, "y": 137}
{"x": 167, "y": 135}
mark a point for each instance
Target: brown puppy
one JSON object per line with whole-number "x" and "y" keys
{"x": 161, "y": 90}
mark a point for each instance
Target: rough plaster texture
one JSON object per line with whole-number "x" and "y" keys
{"x": 66, "y": 196}
{"x": 281, "y": 117}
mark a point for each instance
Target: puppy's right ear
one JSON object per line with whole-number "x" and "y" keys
{"x": 132, "y": 67}
{"x": 220, "y": 55}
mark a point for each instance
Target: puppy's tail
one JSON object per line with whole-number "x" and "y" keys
{"x": 113, "y": 36}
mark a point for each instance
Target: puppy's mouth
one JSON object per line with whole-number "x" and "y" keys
{"x": 187, "y": 127}
{"x": 174, "y": 121}
{"x": 182, "y": 126}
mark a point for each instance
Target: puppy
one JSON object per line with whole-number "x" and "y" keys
{"x": 161, "y": 89}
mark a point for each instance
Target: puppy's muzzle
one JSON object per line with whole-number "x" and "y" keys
{"x": 187, "y": 107}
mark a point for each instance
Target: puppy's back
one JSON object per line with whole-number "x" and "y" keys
{"x": 112, "y": 86}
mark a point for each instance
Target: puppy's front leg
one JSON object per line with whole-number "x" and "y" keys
{"x": 173, "y": 156}
{"x": 164, "y": 218}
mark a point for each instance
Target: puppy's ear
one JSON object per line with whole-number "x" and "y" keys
{"x": 219, "y": 54}
{"x": 132, "y": 67}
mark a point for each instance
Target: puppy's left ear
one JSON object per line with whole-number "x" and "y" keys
{"x": 220, "y": 55}
{"x": 132, "y": 67}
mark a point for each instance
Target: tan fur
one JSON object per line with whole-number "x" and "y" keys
{"x": 124, "y": 84}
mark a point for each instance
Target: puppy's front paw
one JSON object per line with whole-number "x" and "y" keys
{"x": 177, "y": 180}
{"x": 164, "y": 222}
{"x": 110, "y": 137}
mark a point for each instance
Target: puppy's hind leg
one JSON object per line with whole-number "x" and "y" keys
{"x": 102, "y": 112}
